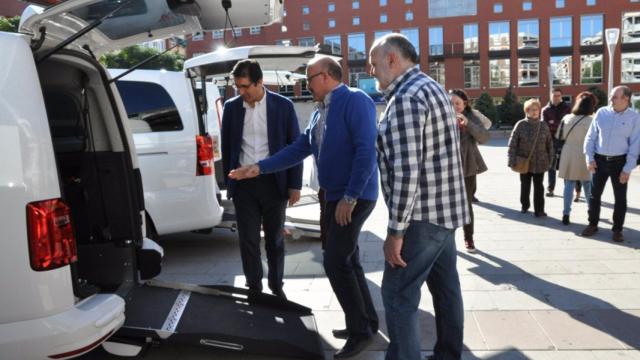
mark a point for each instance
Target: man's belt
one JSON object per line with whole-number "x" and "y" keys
{"x": 610, "y": 158}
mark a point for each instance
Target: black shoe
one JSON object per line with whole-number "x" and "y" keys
{"x": 340, "y": 333}
{"x": 353, "y": 347}
{"x": 550, "y": 193}
{"x": 540, "y": 214}
{"x": 565, "y": 219}
{"x": 524, "y": 210}
{"x": 279, "y": 293}
{"x": 474, "y": 199}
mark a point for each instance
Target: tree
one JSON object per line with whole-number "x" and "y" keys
{"x": 510, "y": 111}
{"x": 600, "y": 94}
{"x": 130, "y": 56}
{"x": 485, "y": 105}
{"x": 9, "y": 24}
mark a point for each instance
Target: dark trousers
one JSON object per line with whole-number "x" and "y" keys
{"x": 345, "y": 273}
{"x": 604, "y": 170}
{"x": 323, "y": 220}
{"x": 552, "y": 178}
{"x": 259, "y": 203}
{"x": 538, "y": 191}
{"x": 470, "y": 187}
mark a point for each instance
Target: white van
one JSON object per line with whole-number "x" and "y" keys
{"x": 170, "y": 140}
{"x": 74, "y": 248}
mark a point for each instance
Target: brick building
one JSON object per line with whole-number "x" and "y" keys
{"x": 10, "y": 8}
{"x": 479, "y": 45}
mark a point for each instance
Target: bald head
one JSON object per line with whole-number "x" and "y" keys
{"x": 323, "y": 75}
{"x": 329, "y": 65}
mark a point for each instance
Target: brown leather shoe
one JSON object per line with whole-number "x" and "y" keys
{"x": 617, "y": 236}
{"x": 590, "y": 230}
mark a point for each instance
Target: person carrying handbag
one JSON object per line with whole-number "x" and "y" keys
{"x": 569, "y": 153}
{"x": 531, "y": 139}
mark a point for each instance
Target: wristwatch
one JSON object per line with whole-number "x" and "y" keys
{"x": 350, "y": 200}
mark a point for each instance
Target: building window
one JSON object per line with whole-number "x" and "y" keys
{"x": 590, "y": 69}
{"x": 355, "y": 74}
{"x": 472, "y": 74}
{"x": 591, "y": 2}
{"x": 497, "y": 8}
{"x": 528, "y": 34}
{"x": 306, "y": 26}
{"x": 527, "y": 6}
{"x": 383, "y": 18}
{"x": 254, "y": 30}
{"x": 355, "y": 21}
{"x": 499, "y": 36}
{"x": 378, "y": 34}
{"x": 560, "y": 32}
{"x": 217, "y": 34}
{"x": 383, "y": 2}
{"x": 413, "y": 36}
{"x": 305, "y": 10}
{"x": 332, "y": 23}
{"x": 199, "y": 36}
{"x": 471, "y": 38}
{"x": 331, "y": 7}
{"x": 357, "y": 49}
{"x": 559, "y": 4}
{"x": 408, "y": 1}
{"x": 237, "y": 32}
{"x": 307, "y": 41}
{"x": 408, "y": 16}
{"x": 436, "y": 71}
{"x": 450, "y": 8}
{"x": 283, "y": 42}
{"x": 631, "y": 27}
{"x": 630, "y": 67}
{"x": 528, "y": 72}
{"x": 355, "y": 4}
{"x": 436, "y": 43}
{"x": 499, "y": 73}
{"x": 591, "y": 30}
{"x": 334, "y": 42}
{"x": 561, "y": 70}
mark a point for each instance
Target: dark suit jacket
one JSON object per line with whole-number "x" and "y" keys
{"x": 282, "y": 129}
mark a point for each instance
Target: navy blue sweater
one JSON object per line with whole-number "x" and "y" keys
{"x": 347, "y": 164}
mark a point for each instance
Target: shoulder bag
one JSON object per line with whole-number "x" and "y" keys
{"x": 522, "y": 163}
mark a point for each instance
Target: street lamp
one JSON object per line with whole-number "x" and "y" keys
{"x": 611, "y": 35}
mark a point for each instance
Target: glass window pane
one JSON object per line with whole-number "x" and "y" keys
{"x": 331, "y": 7}
{"x": 332, "y": 23}
{"x": 149, "y": 105}
{"x": 497, "y": 8}
{"x": 356, "y": 46}
{"x": 413, "y": 36}
{"x": 631, "y": 27}
{"x": 449, "y": 8}
{"x": 436, "y": 44}
{"x": 436, "y": 71}
{"x": 527, "y": 6}
{"x": 305, "y": 10}
{"x": 560, "y": 32}
{"x": 470, "y": 38}
{"x": 355, "y": 21}
{"x": 472, "y": 74}
{"x": 590, "y": 69}
{"x": 559, "y": 4}
{"x": 499, "y": 73}
{"x": 334, "y": 42}
{"x": 355, "y": 4}
{"x": 408, "y": 16}
{"x": 499, "y": 35}
{"x": 528, "y": 72}
{"x": 383, "y": 18}
{"x": 591, "y": 30}
{"x": 630, "y": 67}
{"x": 528, "y": 34}
{"x": 378, "y": 34}
{"x": 307, "y": 41}
{"x": 561, "y": 70}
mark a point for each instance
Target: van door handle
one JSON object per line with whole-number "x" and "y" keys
{"x": 154, "y": 153}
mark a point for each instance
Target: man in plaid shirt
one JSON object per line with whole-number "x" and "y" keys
{"x": 423, "y": 186}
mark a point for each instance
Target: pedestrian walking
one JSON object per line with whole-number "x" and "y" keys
{"x": 552, "y": 115}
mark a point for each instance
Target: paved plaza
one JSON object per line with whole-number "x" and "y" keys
{"x": 534, "y": 290}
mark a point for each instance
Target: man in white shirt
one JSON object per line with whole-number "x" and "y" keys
{"x": 255, "y": 125}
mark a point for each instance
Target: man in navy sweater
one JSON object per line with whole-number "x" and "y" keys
{"x": 342, "y": 138}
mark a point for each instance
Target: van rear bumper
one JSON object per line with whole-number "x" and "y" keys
{"x": 65, "y": 335}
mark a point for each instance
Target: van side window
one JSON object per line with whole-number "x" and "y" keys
{"x": 149, "y": 107}
{"x": 66, "y": 121}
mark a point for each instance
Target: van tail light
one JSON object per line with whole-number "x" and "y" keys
{"x": 204, "y": 145}
{"x": 52, "y": 243}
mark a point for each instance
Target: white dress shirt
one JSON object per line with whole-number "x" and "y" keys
{"x": 255, "y": 140}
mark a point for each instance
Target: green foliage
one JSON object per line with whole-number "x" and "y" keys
{"x": 600, "y": 94}
{"x": 132, "y": 55}
{"x": 485, "y": 105}
{"x": 510, "y": 111}
{"x": 9, "y": 24}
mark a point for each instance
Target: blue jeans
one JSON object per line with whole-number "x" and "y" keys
{"x": 430, "y": 253}
{"x": 569, "y": 186}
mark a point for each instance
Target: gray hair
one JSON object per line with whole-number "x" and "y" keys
{"x": 626, "y": 91}
{"x": 399, "y": 43}
{"x": 330, "y": 65}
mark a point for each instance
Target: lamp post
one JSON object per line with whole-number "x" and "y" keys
{"x": 611, "y": 35}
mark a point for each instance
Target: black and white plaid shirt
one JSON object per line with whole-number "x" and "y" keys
{"x": 419, "y": 155}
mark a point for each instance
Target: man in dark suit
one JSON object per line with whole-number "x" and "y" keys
{"x": 255, "y": 125}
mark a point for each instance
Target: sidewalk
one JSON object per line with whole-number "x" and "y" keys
{"x": 534, "y": 290}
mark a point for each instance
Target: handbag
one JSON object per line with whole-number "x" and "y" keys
{"x": 522, "y": 163}
{"x": 559, "y": 143}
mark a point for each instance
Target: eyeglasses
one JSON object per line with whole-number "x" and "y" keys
{"x": 242, "y": 86}
{"x": 309, "y": 78}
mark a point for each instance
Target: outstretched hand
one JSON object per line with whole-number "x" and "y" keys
{"x": 245, "y": 172}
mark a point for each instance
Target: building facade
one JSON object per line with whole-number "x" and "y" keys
{"x": 11, "y": 8}
{"x": 478, "y": 45}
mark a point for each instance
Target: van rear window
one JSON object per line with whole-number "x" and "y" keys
{"x": 149, "y": 107}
